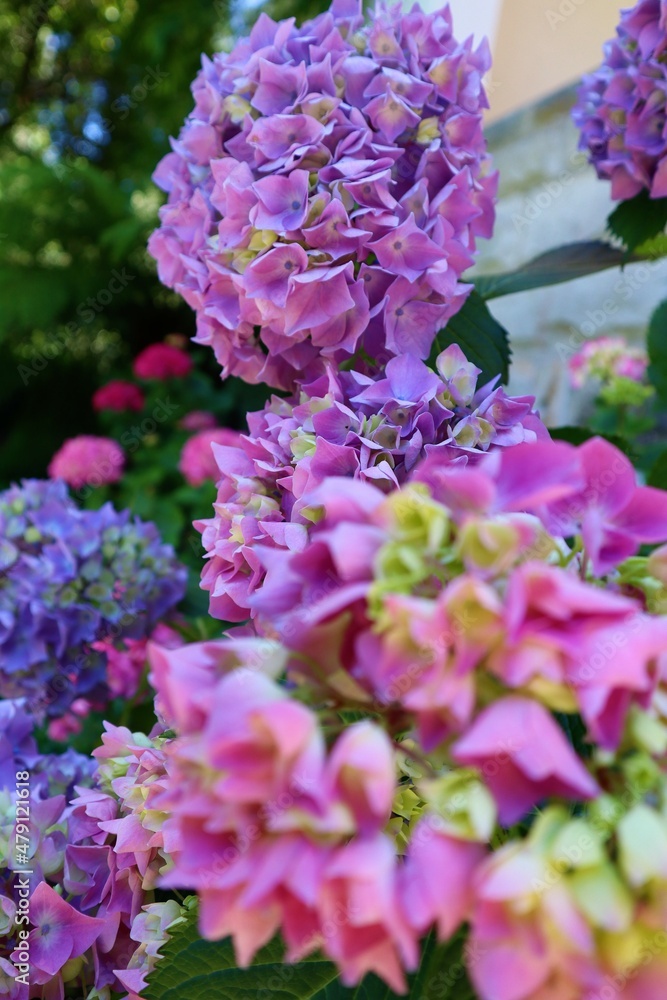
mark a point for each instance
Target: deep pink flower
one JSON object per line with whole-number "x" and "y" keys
{"x": 616, "y": 668}
{"x": 523, "y": 756}
{"x": 363, "y": 923}
{"x": 88, "y": 461}
{"x": 161, "y": 361}
{"x": 605, "y": 359}
{"x": 551, "y": 615}
{"x": 197, "y": 462}
{"x": 198, "y": 420}
{"x": 616, "y": 516}
{"x": 119, "y": 396}
{"x": 125, "y": 665}
{"x": 438, "y": 878}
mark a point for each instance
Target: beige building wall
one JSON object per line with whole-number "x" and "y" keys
{"x": 538, "y": 46}
{"x": 541, "y": 45}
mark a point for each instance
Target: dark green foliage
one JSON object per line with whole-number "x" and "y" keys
{"x": 206, "y": 970}
{"x": 639, "y": 220}
{"x": 657, "y": 349}
{"x": 481, "y": 338}
{"x": 574, "y": 260}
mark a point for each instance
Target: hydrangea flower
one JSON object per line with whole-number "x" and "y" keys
{"x": 606, "y": 359}
{"x": 327, "y": 191}
{"x": 73, "y": 577}
{"x": 94, "y": 854}
{"x": 198, "y": 420}
{"x": 469, "y": 621}
{"x": 49, "y": 780}
{"x": 197, "y": 462}
{"x": 621, "y": 106}
{"x": 119, "y": 396}
{"x": 348, "y": 424}
{"x": 118, "y": 843}
{"x": 126, "y": 661}
{"x": 161, "y": 362}
{"x": 88, "y": 461}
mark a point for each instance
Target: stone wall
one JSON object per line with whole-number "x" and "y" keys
{"x": 550, "y": 196}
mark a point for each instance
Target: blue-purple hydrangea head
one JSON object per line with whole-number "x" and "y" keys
{"x": 69, "y": 577}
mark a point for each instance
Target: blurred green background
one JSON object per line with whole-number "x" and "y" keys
{"x": 91, "y": 90}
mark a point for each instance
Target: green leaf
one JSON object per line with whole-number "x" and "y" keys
{"x": 658, "y": 475}
{"x": 638, "y": 220}
{"x": 657, "y": 349}
{"x": 566, "y": 263}
{"x": 194, "y": 969}
{"x": 481, "y": 338}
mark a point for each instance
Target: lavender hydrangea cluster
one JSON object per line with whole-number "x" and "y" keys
{"x": 621, "y": 106}
{"x": 90, "y": 861}
{"x": 344, "y": 424}
{"x": 52, "y": 780}
{"x": 327, "y": 190}
{"x": 69, "y": 577}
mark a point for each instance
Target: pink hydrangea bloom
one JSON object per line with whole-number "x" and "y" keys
{"x": 607, "y": 358}
{"x": 162, "y": 361}
{"x": 346, "y": 423}
{"x": 126, "y": 665}
{"x": 524, "y": 757}
{"x": 88, "y": 461}
{"x": 198, "y": 420}
{"x": 327, "y": 191}
{"x": 118, "y": 396}
{"x": 197, "y": 462}
{"x": 470, "y": 610}
{"x": 282, "y": 805}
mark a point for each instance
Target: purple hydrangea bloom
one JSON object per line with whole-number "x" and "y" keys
{"x": 17, "y": 745}
{"x": 344, "y": 424}
{"x": 70, "y": 577}
{"x": 327, "y": 190}
{"x": 621, "y": 106}
{"x": 97, "y": 839}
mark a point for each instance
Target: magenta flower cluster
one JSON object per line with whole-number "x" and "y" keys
{"x": 87, "y": 461}
{"x": 327, "y": 190}
{"x": 621, "y": 106}
{"x": 344, "y": 424}
{"x": 470, "y": 621}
